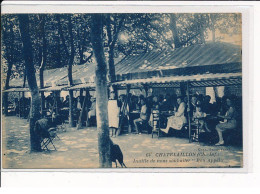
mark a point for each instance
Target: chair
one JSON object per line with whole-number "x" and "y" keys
{"x": 47, "y": 138}
{"x": 156, "y": 122}
{"x": 195, "y": 127}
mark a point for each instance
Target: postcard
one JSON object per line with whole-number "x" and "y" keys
{"x": 113, "y": 89}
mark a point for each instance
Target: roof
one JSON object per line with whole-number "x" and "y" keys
{"x": 80, "y": 86}
{"x": 194, "y": 80}
{"x": 192, "y": 56}
{"x": 210, "y": 58}
{"x": 17, "y": 90}
{"x": 53, "y": 88}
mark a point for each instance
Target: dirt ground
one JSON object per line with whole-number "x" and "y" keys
{"x": 78, "y": 149}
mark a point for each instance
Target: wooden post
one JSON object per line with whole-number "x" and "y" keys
{"x": 42, "y": 103}
{"x": 82, "y": 111}
{"x": 183, "y": 88}
{"x": 19, "y": 105}
{"x": 146, "y": 90}
{"x": 189, "y": 119}
{"x": 87, "y": 107}
{"x": 56, "y": 100}
{"x": 23, "y": 102}
{"x": 128, "y": 87}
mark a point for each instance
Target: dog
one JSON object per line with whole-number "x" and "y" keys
{"x": 116, "y": 154}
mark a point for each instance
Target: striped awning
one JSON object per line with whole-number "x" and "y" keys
{"x": 17, "y": 90}
{"x": 195, "y": 80}
{"x": 81, "y": 86}
{"x": 209, "y": 58}
{"x": 197, "y": 55}
{"x": 53, "y": 88}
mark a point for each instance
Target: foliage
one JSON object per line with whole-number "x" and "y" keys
{"x": 126, "y": 33}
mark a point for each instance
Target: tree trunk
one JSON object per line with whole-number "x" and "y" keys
{"x": 70, "y": 63}
{"x": 70, "y": 80}
{"x": 5, "y": 95}
{"x": 59, "y": 62}
{"x": 9, "y": 69}
{"x": 202, "y": 37}
{"x": 213, "y": 35}
{"x": 112, "y": 38}
{"x": 101, "y": 92}
{"x": 212, "y": 26}
{"x": 112, "y": 71}
{"x": 43, "y": 61}
{"x": 176, "y": 40}
{"x": 30, "y": 71}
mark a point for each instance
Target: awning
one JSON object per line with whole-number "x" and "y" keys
{"x": 17, "y": 90}
{"x": 202, "y": 80}
{"x": 80, "y": 86}
{"x": 215, "y": 58}
{"x": 198, "y": 55}
{"x": 54, "y": 88}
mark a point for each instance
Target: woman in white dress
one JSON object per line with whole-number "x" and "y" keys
{"x": 178, "y": 119}
{"x": 113, "y": 112}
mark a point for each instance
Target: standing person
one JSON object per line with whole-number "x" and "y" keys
{"x": 66, "y": 101}
{"x": 178, "y": 119}
{"x": 143, "y": 116}
{"x": 124, "y": 113}
{"x": 229, "y": 121}
{"x": 92, "y": 113}
{"x": 113, "y": 113}
{"x": 16, "y": 106}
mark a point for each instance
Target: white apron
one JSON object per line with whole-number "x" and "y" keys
{"x": 113, "y": 113}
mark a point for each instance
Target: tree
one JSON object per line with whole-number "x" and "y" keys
{"x": 82, "y": 39}
{"x": 114, "y": 23}
{"x": 101, "y": 91}
{"x": 43, "y": 58}
{"x": 173, "y": 25}
{"x": 8, "y": 41}
{"x": 69, "y": 62}
{"x": 30, "y": 71}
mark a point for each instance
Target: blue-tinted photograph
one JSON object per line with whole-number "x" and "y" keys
{"x": 121, "y": 90}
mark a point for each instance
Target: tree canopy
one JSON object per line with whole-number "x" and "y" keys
{"x": 124, "y": 34}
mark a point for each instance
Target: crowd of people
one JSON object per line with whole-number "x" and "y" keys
{"x": 175, "y": 112}
{"x": 20, "y": 107}
{"x": 136, "y": 112}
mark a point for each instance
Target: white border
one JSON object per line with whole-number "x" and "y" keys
{"x": 158, "y": 7}
{"x": 110, "y": 7}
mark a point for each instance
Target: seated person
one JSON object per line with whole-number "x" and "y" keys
{"x": 206, "y": 105}
{"x": 178, "y": 119}
{"x": 198, "y": 118}
{"x": 167, "y": 103}
{"x": 229, "y": 121}
{"x": 193, "y": 105}
{"x": 143, "y": 116}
